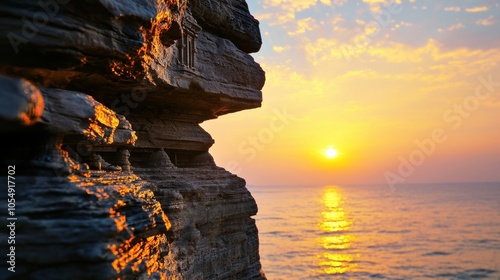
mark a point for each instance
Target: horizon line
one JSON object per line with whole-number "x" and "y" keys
{"x": 380, "y": 185}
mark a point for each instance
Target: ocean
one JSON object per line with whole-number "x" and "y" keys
{"x": 435, "y": 231}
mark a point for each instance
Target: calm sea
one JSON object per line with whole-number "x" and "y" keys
{"x": 442, "y": 231}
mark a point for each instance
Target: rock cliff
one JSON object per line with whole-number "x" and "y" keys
{"x": 107, "y": 171}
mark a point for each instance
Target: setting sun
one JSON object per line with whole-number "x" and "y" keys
{"x": 331, "y": 152}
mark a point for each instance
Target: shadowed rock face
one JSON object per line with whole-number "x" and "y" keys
{"x": 229, "y": 19}
{"x": 100, "y": 106}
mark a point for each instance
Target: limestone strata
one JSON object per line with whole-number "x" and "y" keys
{"x": 79, "y": 114}
{"x": 100, "y": 104}
{"x": 108, "y": 50}
{"x": 87, "y": 226}
{"x": 214, "y": 237}
{"x": 69, "y": 33}
{"x": 229, "y": 19}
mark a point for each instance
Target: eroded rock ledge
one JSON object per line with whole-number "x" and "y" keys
{"x": 100, "y": 105}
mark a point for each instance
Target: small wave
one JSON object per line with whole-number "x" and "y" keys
{"x": 275, "y": 233}
{"x": 436, "y": 253}
{"x": 378, "y": 276}
{"x": 270, "y": 218}
{"x": 394, "y": 231}
{"x": 365, "y": 275}
{"x": 440, "y": 226}
{"x": 338, "y": 232}
{"x": 408, "y": 267}
{"x": 483, "y": 241}
{"x": 469, "y": 274}
{"x": 282, "y": 234}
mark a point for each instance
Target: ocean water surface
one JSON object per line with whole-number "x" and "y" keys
{"x": 441, "y": 231}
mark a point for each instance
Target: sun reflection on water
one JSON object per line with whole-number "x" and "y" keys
{"x": 335, "y": 225}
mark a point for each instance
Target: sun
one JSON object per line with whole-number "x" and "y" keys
{"x": 331, "y": 152}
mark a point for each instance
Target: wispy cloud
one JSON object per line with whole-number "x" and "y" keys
{"x": 477, "y": 9}
{"x": 452, "y": 9}
{"x": 376, "y": 5}
{"x": 461, "y": 61}
{"x": 285, "y": 11}
{"x": 406, "y": 24}
{"x": 456, "y": 26}
{"x": 487, "y": 21}
{"x": 337, "y": 19}
{"x": 323, "y": 49}
{"x": 280, "y": 49}
{"x": 360, "y": 22}
{"x": 303, "y": 25}
{"x": 339, "y": 2}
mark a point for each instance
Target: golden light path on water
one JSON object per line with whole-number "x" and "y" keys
{"x": 367, "y": 232}
{"x": 335, "y": 225}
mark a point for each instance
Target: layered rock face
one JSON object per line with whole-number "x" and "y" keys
{"x": 110, "y": 172}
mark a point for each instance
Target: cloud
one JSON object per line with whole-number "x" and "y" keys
{"x": 339, "y": 2}
{"x": 406, "y": 24}
{"x": 303, "y": 25}
{"x": 337, "y": 19}
{"x": 262, "y": 17}
{"x": 487, "y": 21}
{"x": 462, "y": 61}
{"x": 284, "y": 11}
{"x": 280, "y": 49}
{"x": 360, "y": 22}
{"x": 376, "y": 5}
{"x": 452, "y": 9}
{"x": 323, "y": 49}
{"x": 400, "y": 53}
{"x": 452, "y": 28}
{"x": 477, "y": 9}
{"x": 456, "y": 27}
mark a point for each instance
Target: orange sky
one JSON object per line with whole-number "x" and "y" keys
{"x": 407, "y": 92}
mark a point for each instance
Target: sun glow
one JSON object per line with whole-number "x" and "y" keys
{"x": 331, "y": 152}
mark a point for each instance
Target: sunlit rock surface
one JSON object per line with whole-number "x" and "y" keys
{"x": 100, "y": 106}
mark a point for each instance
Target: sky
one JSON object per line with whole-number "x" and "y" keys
{"x": 406, "y": 91}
